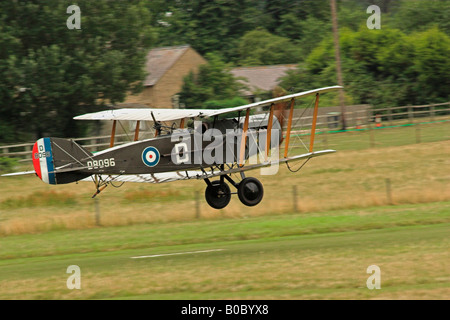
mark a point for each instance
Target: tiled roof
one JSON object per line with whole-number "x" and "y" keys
{"x": 160, "y": 60}
{"x": 264, "y": 78}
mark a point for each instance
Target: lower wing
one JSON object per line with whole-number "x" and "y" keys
{"x": 203, "y": 174}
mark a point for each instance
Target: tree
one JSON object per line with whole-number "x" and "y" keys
{"x": 419, "y": 15}
{"x": 53, "y": 73}
{"x": 282, "y": 14}
{"x": 382, "y": 67}
{"x": 209, "y": 26}
{"x": 213, "y": 82}
{"x": 432, "y": 65}
{"x": 260, "y": 47}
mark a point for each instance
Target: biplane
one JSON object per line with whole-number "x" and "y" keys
{"x": 196, "y": 145}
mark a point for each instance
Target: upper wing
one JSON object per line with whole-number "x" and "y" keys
{"x": 145, "y": 114}
{"x": 275, "y": 100}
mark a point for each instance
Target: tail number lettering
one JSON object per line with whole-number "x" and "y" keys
{"x": 40, "y": 155}
{"x": 100, "y": 164}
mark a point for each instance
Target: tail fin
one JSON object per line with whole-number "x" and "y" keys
{"x": 59, "y": 161}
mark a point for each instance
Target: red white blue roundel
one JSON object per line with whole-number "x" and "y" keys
{"x": 150, "y": 156}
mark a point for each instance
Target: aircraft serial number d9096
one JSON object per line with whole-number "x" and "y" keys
{"x": 103, "y": 163}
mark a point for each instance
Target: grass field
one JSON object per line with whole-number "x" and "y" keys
{"x": 320, "y": 256}
{"x": 342, "y": 225}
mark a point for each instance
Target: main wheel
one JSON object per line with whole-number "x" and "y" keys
{"x": 250, "y": 191}
{"x": 218, "y": 195}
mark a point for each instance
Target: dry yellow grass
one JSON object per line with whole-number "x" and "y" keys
{"x": 347, "y": 179}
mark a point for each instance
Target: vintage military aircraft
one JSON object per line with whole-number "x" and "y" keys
{"x": 183, "y": 150}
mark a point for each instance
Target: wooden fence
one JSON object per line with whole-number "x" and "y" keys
{"x": 366, "y": 117}
{"x": 23, "y": 151}
{"x": 408, "y": 114}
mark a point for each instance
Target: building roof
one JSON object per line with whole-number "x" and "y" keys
{"x": 264, "y": 78}
{"x": 160, "y": 60}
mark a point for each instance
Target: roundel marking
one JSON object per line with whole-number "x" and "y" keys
{"x": 150, "y": 156}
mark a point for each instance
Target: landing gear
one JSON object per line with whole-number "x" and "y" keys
{"x": 250, "y": 191}
{"x": 218, "y": 195}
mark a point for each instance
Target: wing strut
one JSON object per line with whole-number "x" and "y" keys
{"x": 289, "y": 127}
{"x": 113, "y": 133}
{"x": 244, "y": 139}
{"x": 313, "y": 128}
{"x": 269, "y": 130}
{"x": 136, "y": 132}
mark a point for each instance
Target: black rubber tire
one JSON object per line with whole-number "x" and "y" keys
{"x": 250, "y": 191}
{"x": 218, "y": 195}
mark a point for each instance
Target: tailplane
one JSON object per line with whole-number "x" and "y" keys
{"x": 59, "y": 161}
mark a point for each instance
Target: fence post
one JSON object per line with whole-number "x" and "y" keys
{"x": 390, "y": 116}
{"x": 197, "y": 204}
{"x": 388, "y": 191}
{"x": 369, "y": 116}
{"x": 371, "y": 136}
{"x": 418, "y": 133}
{"x": 410, "y": 114}
{"x": 97, "y": 212}
{"x": 294, "y": 198}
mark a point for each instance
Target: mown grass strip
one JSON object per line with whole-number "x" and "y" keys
{"x": 155, "y": 235}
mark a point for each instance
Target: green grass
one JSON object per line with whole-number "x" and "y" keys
{"x": 388, "y": 136}
{"x": 131, "y": 237}
{"x": 323, "y": 255}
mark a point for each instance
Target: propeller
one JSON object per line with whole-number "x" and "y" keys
{"x": 157, "y": 125}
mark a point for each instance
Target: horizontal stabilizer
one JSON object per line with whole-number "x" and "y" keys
{"x": 18, "y": 173}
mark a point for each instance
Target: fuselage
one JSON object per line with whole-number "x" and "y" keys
{"x": 183, "y": 149}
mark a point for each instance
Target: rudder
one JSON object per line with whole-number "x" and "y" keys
{"x": 51, "y": 155}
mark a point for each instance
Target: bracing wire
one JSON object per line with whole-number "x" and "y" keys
{"x": 297, "y": 121}
{"x": 296, "y": 170}
{"x": 294, "y": 125}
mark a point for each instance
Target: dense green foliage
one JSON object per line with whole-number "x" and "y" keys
{"x": 406, "y": 62}
{"x": 50, "y": 73}
{"x": 7, "y": 164}
{"x": 383, "y": 67}
{"x": 213, "y": 82}
{"x": 260, "y": 47}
